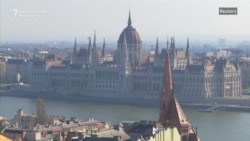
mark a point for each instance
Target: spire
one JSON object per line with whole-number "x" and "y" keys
{"x": 173, "y": 43}
{"x": 94, "y": 43}
{"x": 89, "y": 46}
{"x": 187, "y": 49}
{"x": 157, "y": 48}
{"x": 172, "y": 46}
{"x": 75, "y": 47}
{"x": 167, "y": 85}
{"x": 103, "y": 48}
{"x": 129, "y": 19}
{"x": 167, "y": 44}
{"x": 89, "y": 51}
{"x": 95, "y": 51}
{"x": 166, "y": 90}
{"x": 188, "y": 52}
{"x": 171, "y": 113}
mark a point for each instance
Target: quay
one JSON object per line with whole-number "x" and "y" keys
{"x": 229, "y": 104}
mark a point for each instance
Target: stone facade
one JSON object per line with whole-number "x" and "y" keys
{"x": 130, "y": 74}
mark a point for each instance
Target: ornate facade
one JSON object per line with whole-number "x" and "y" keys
{"x": 128, "y": 73}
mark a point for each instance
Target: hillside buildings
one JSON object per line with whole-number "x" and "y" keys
{"x": 172, "y": 124}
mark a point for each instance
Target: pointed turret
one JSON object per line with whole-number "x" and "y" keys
{"x": 187, "y": 49}
{"x": 157, "y": 48}
{"x": 89, "y": 46}
{"x": 89, "y": 51}
{"x": 188, "y": 53}
{"x": 103, "y": 48}
{"x": 129, "y": 19}
{"x": 94, "y": 43}
{"x": 167, "y": 44}
{"x": 172, "y": 46}
{"x": 95, "y": 51}
{"x": 173, "y": 43}
{"x": 75, "y": 47}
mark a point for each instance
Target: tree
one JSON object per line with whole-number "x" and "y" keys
{"x": 41, "y": 112}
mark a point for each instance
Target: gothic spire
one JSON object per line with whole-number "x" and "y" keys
{"x": 95, "y": 51}
{"x": 171, "y": 113}
{"x": 167, "y": 44}
{"x": 129, "y": 19}
{"x": 103, "y": 48}
{"x": 173, "y": 43}
{"x": 157, "y": 48}
{"x": 188, "y": 52}
{"x": 94, "y": 43}
{"x": 75, "y": 46}
{"x": 89, "y": 46}
{"x": 172, "y": 46}
{"x": 89, "y": 51}
{"x": 187, "y": 49}
{"x": 166, "y": 89}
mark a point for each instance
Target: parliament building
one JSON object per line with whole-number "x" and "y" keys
{"x": 131, "y": 73}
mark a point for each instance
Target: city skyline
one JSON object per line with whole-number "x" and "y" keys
{"x": 64, "y": 20}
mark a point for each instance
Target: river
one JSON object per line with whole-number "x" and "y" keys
{"x": 213, "y": 126}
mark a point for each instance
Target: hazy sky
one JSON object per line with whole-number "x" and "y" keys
{"x": 65, "y": 19}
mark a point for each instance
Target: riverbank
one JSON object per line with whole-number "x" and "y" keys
{"x": 81, "y": 98}
{"x": 228, "y": 104}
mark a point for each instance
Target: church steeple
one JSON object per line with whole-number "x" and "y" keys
{"x": 129, "y": 19}
{"x": 167, "y": 87}
{"x": 171, "y": 113}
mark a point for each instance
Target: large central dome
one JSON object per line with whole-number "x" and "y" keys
{"x": 132, "y": 37}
